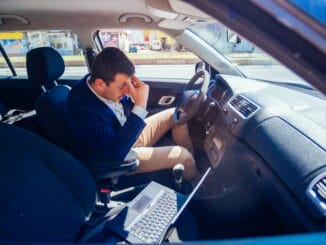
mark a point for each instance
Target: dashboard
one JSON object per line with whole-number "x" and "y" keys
{"x": 280, "y": 134}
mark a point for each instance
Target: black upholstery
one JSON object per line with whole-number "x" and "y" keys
{"x": 44, "y": 65}
{"x": 50, "y": 108}
{"x": 3, "y": 108}
{"x": 46, "y": 195}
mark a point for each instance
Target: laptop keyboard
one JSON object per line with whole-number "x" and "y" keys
{"x": 153, "y": 225}
{"x": 150, "y": 214}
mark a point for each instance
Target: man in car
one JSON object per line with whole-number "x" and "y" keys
{"x": 107, "y": 110}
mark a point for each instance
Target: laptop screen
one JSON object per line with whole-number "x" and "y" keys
{"x": 190, "y": 196}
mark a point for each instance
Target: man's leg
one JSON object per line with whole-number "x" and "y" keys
{"x": 158, "y": 158}
{"x": 166, "y": 157}
{"x": 180, "y": 134}
{"x": 158, "y": 124}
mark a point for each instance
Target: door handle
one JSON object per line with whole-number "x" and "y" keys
{"x": 166, "y": 100}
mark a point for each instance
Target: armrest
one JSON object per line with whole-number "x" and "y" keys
{"x": 102, "y": 169}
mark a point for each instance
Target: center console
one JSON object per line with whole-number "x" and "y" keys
{"x": 217, "y": 141}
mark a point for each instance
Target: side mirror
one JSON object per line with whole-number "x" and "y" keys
{"x": 232, "y": 37}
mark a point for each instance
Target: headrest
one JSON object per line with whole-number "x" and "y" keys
{"x": 44, "y": 65}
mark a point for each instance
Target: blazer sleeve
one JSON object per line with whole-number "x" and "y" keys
{"x": 103, "y": 134}
{"x": 96, "y": 125}
{"x": 118, "y": 141}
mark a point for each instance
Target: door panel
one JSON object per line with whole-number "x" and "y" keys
{"x": 20, "y": 94}
{"x": 167, "y": 93}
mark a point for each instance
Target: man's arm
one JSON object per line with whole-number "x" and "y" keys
{"x": 105, "y": 135}
{"x": 97, "y": 125}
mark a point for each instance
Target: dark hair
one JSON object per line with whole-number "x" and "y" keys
{"x": 109, "y": 62}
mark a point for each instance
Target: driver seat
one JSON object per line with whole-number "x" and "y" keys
{"x": 45, "y": 65}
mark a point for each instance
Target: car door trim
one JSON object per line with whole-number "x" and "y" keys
{"x": 166, "y": 100}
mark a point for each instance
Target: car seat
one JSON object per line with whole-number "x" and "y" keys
{"x": 46, "y": 65}
{"x": 46, "y": 195}
{"x": 50, "y": 108}
{"x": 3, "y": 108}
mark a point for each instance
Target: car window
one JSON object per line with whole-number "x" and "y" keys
{"x": 154, "y": 53}
{"x": 17, "y": 44}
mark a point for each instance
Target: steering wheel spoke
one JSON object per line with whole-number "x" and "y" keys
{"x": 191, "y": 98}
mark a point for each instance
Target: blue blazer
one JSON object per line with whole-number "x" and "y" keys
{"x": 93, "y": 122}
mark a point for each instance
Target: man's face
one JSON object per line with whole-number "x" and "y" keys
{"x": 117, "y": 89}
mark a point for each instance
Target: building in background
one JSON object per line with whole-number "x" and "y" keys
{"x": 18, "y": 43}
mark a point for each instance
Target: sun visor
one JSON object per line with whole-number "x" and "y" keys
{"x": 174, "y": 24}
{"x": 187, "y": 9}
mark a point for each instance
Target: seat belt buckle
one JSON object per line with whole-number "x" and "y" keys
{"x": 105, "y": 195}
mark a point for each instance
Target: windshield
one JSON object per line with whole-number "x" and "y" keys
{"x": 251, "y": 61}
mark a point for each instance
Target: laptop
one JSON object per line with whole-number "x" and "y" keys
{"x": 147, "y": 218}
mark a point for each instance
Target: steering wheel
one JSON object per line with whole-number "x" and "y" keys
{"x": 191, "y": 99}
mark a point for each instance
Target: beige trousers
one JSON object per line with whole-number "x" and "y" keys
{"x": 166, "y": 157}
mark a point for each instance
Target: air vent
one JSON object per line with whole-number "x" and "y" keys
{"x": 243, "y": 106}
{"x": 317, "y": 192}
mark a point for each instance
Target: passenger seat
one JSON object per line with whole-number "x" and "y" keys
{"x": 46, "y": 195}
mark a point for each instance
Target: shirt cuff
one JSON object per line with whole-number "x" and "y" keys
{"x": 139, "y": 111}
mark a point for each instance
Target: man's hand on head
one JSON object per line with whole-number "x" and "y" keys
{"x": 138, "y": 91}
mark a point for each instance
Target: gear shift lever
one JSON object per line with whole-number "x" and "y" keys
{"x": 178, "y": 170}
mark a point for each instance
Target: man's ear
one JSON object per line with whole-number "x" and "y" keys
{"x": 99, "y": 85}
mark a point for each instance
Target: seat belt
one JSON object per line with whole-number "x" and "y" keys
{"x": 15, "y": 115}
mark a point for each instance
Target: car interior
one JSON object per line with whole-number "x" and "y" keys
{"x": 260, "y": 145}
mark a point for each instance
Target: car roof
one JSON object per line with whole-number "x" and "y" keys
{"x": 88, "y": 16}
